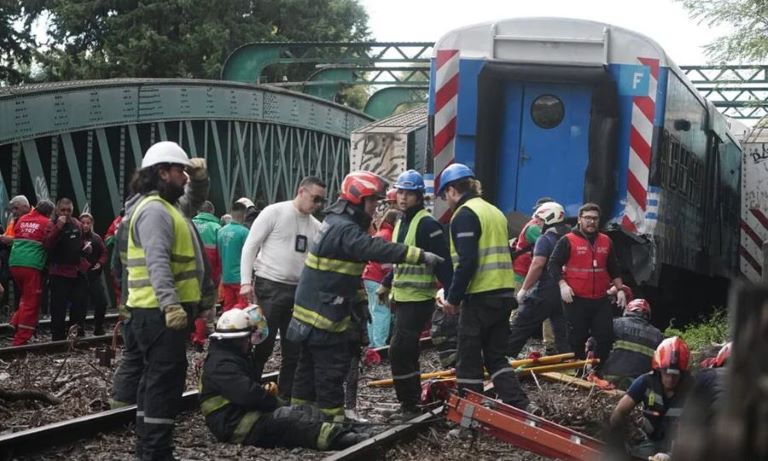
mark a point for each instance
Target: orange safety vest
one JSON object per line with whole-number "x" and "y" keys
{"x": 587, "y": 268}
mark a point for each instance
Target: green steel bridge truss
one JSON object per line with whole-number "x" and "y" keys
{"x": 85, "y": 139}
{"x": 739, "y": 91}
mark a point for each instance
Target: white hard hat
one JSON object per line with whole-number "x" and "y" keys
{"x": 233, "y": 323}
{"x": 246, "y": 201}
{"x": 259, "y": 326}
{"x": 550, "y": 213}
{"x": 165, "y": 152}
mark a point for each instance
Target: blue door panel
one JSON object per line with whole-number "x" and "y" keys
{"x": 509, "y": 146}
{"x": 536, "y": 161}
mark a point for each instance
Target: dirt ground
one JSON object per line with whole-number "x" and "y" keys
{"x": 83, "y": 386}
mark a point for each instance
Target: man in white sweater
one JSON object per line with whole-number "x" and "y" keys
{"x": 278, "y": 243}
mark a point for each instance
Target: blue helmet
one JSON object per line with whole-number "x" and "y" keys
{"x": 453, "y": 173}
{"x": 410, "y": 180}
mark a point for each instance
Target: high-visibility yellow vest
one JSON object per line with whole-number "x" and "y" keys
{"x": 413, "y": 282}
{"x": 183, "y": 261}
{"x": 494, "y": 266}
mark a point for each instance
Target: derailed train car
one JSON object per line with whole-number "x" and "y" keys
{"x": 584, "y": 111}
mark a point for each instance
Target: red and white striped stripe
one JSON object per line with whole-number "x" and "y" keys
{"x": 640, "y": 141}
{"x": 446, "y": 102}
{"x": 754, "y": 231}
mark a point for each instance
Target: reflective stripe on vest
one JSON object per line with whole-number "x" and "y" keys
{"x": 316, "y": 320}
{"x": 339, "y": 266}
{"x": 634, "y": 347}
{"x": 586, "y": 271}
{"x": 413, "y": 282}
{"x": 494, "y": 265}
{"x": 183, "y": 261}
{"x": 244, "y": 426}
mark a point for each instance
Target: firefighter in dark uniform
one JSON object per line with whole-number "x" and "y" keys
{"x": 238, "y": 408}
{"x": 413, "y": 288}
{"x": 635, "y": 342}
{"x": 663, "y": 393}
{"x": 584, "y": 264}
{"x": 481, "y": 291}
{"x": 327, "y": 290}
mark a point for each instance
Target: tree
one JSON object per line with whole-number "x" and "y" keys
{"x": 181, "y": 38}
{"x": 748, "y": 42}
{"x": 16, "y": 43}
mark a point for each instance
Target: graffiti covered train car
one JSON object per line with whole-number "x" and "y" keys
{"x": 584, "y": 111}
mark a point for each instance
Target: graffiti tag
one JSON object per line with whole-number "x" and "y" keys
{"x": 759, "y": 153}
{"x": 381, "y": 153}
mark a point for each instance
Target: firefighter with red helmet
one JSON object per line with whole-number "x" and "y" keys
{"x": 662, "y": 392}
{"x": 327, "y": 290}
{"x": 635, "y": 341}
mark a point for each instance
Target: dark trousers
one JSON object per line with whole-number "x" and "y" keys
{"x": 287, "y": 427}
{"x": 125, "y": 383}
{"x": 320, "y": 375}
{"x": 158, "y": 399}
{"x": 66, "y": 291}
{"x": 410, "y": 319}
{"x": 276, "y": 300}
{"x": 483, "y": 340}
{"x": 589, "y": 317}
{"x": 539, "y": 306}
{"x": 97, "y": 300}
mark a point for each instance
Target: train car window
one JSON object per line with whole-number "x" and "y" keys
{"x": 547, "y": 111}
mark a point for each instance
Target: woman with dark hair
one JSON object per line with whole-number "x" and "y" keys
{"x": 373, "y": 275}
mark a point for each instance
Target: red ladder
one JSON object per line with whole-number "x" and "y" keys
{"x": 522, "y": 429}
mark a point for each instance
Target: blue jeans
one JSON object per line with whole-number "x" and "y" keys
{"x": 381, "y": 316}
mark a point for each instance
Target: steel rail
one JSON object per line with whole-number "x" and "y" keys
{"x": 6, "y": 328}
{"x": 84, "y": 427}
{"x": 53, "y": 346}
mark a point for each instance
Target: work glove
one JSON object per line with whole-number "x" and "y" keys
{"x": 440, "y": 297}
{"x": 621, "y": 299}
{"x": 176, "y": 317}
{"x": 382, "y": 294}
{"x": 430, "y": 259}
{"x": 270, "y": 388}
{"x": 566, "y": 292}
{"x": 197, "y": 170}
{"x": 520, "y": 295}
{"x": 659, "y": 457}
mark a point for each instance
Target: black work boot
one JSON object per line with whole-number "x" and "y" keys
{"x": 406, "y": 413}
{"x": 346, "y": 439}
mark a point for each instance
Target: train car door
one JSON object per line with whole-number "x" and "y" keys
{"x": 544, "y": 146}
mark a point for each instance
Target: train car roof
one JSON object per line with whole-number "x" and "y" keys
{"x": 564, "y": 41}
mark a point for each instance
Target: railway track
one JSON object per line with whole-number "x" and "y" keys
{"x": 110, "y": 429}
{"x": 45, "y": 324}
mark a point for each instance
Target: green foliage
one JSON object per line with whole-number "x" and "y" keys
{"x": 748, "y": 42}
{"x": 711, "y": 329}
{"x": 16, "y": 43}
{"x": 181, "y": 38}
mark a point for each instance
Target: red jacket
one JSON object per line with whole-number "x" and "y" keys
{"x": 586, "y": 270}
{"x": 377, "y": 271}
{"x": 522, "y": 261}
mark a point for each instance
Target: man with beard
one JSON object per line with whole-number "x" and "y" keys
{"x": 166, "y": 284}
{"x": 584, "y": 264}
{"x": 64, "y": 244}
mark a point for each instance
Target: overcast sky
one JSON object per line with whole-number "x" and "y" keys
{"x": 665, "y": 21}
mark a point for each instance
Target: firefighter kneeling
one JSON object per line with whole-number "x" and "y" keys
{"x": 238, "y": 409}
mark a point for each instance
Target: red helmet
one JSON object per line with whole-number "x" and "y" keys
{"x": 361, "y": 184}
{"x": 638, "y": 308}
{"x": 671, "y": 356}
{"x": 392, "y": 195}
{"x": 723, "y": 355}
